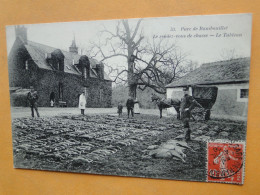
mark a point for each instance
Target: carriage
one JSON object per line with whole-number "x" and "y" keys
{"x": 205, "y": 95}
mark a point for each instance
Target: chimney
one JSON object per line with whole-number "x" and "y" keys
{"x": 21, "y": 32}
{"x": 100, "y": 70}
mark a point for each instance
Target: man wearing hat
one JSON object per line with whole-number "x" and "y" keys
{"x": 187, "y": 104}
{"x": 32, "y": 97}
{"x": 130, "y": 106}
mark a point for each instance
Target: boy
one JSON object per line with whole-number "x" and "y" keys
{"x": 119, "y": 109}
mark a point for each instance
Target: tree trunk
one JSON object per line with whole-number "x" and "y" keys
{"x": 132, "y": 86}
{"x": 132, "y": 90}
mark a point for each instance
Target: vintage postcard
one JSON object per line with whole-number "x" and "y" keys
{"x": 154, "y": 97}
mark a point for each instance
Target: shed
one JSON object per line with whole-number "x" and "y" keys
{"x": 231, "y": 77}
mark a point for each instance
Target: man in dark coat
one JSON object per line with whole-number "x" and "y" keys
{"x": 32, "y": 97}
{"x": 187, "y": 104}
{"x": 130, "y": 106}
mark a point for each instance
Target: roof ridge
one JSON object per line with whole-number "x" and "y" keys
{"x": 37, "y": 48}
{"x": 62, "y": 50}
{"x": 229, "y": 70}
{"x": 221, "y": 62}
{"x": 53, "y": 47}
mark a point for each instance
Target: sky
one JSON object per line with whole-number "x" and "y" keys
{"x": 187, "y": 31}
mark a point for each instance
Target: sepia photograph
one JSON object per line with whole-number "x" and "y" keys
{"x": 163, "y": 98}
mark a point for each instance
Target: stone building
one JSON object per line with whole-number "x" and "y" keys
{"x": 55, "y": 74}
{"x": 231, "y": 77}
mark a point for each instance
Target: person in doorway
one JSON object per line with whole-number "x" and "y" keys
{"x": 187, "y": 104}
{"x": 52, "y": 103}
{"x": 82, "y": 102}
{"x": 52, "y": 98}
{"x": 32, "y": 97}
{"x": 130, "y": 106}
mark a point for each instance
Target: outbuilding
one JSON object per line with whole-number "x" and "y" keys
{"x": 231, "y": 77}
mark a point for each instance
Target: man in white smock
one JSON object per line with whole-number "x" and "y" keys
{"x": 82, "y": 102}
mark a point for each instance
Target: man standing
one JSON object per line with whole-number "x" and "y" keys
{"x": 82, "y": 102}
{"x": 32, "y": 97}
{"x": 130, "y": 106}
{"x": 187, "y": 104}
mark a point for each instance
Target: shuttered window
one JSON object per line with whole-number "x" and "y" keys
{"x": 101, "y": 95}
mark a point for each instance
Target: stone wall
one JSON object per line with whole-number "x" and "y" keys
{"x": 49, "y": 81}
{"x": 99, "y": 93}
{"x": 228, "y": 102}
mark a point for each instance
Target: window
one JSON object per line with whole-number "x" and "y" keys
{"x": 101, "y": 95}
{"x": 60, "y": 91}
{"x": 85, "y": 72}
{"x": 58, "y": 66}
{"x": 26, "y": 65}
{"x": 244, "y": 93}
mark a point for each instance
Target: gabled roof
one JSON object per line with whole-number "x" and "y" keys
{"x": 230, "y": 71}
{"x": 38, "y": 51}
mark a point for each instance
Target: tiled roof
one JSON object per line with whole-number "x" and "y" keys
{"x": 230, "y": 71}
{"x": 38, "y": 51}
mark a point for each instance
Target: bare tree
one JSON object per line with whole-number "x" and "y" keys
{"x": 152, "y": 65}
{"x": 163, "y": 63}
{"x": 228, "y": 54}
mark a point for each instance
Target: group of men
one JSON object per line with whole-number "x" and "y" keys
{"x": 187, "y": 104}
{"x": 33, "y": 97}
{"x": 131, "y": 105}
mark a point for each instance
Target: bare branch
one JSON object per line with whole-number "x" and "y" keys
{"x": 136, "y": 29}
{"x": 111, "y": 56}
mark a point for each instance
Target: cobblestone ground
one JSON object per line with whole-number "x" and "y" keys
{"x": 106, "y": 144}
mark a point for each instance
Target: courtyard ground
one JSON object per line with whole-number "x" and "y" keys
{"x": 18, "y": 112}
{"x": 102, "y": 143}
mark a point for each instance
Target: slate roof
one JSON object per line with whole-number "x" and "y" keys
{"x": 230, "y": 71}
{"x": 38, "y": 51}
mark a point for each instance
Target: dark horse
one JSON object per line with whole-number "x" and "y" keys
{"x": 167, "y": 103}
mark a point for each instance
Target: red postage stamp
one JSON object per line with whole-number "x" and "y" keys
{"x": 225, "y": 162}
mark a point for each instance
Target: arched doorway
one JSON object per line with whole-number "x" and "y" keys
{"x": 52, "y": 96}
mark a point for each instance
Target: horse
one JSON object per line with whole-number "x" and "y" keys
{"x": 163, "y": 103}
